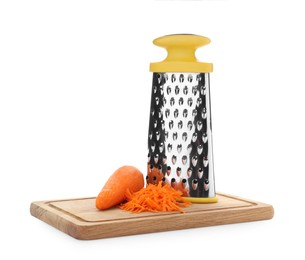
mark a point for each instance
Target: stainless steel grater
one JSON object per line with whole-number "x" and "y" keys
{"x": 180, "y": 151}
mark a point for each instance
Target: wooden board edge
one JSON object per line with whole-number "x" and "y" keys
{"x": 175, "y": 222}
{"x": 56, "y": 219}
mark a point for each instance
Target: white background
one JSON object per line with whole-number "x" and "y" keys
{"x": 74, "y": 103}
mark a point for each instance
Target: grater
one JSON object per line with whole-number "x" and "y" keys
{"x": 180, "y": 151}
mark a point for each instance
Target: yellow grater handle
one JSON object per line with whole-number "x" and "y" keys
{"x": 181, "y": 57}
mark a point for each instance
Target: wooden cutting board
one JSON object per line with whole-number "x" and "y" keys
{"x": 80, "y": 219}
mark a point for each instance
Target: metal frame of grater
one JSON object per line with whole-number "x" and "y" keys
{"x": 180, "y": 150}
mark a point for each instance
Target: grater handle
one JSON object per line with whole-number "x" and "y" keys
{"x": 181, "y": 47}
{"x": 181, "y": 57}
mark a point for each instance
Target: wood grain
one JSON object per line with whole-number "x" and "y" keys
{"x": 80, "y": 219}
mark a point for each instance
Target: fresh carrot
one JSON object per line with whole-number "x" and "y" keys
{"x": 155, "y": 198}
{"x": 113, "y": 192}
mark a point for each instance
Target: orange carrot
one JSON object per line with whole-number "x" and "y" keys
{"x": 155, "y": 198}
{"x": 113, "y": 192}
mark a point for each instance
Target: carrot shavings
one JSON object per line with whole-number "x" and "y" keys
{"x": 155, "y": 198}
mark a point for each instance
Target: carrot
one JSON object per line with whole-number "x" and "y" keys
{"x": 113, "y": 192}
{"x": 155, "y": 198}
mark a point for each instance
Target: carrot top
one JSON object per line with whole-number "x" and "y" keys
{"x": 155, "y": 198}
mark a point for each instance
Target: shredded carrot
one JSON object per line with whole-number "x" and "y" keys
{"x": 155, "y": 198}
